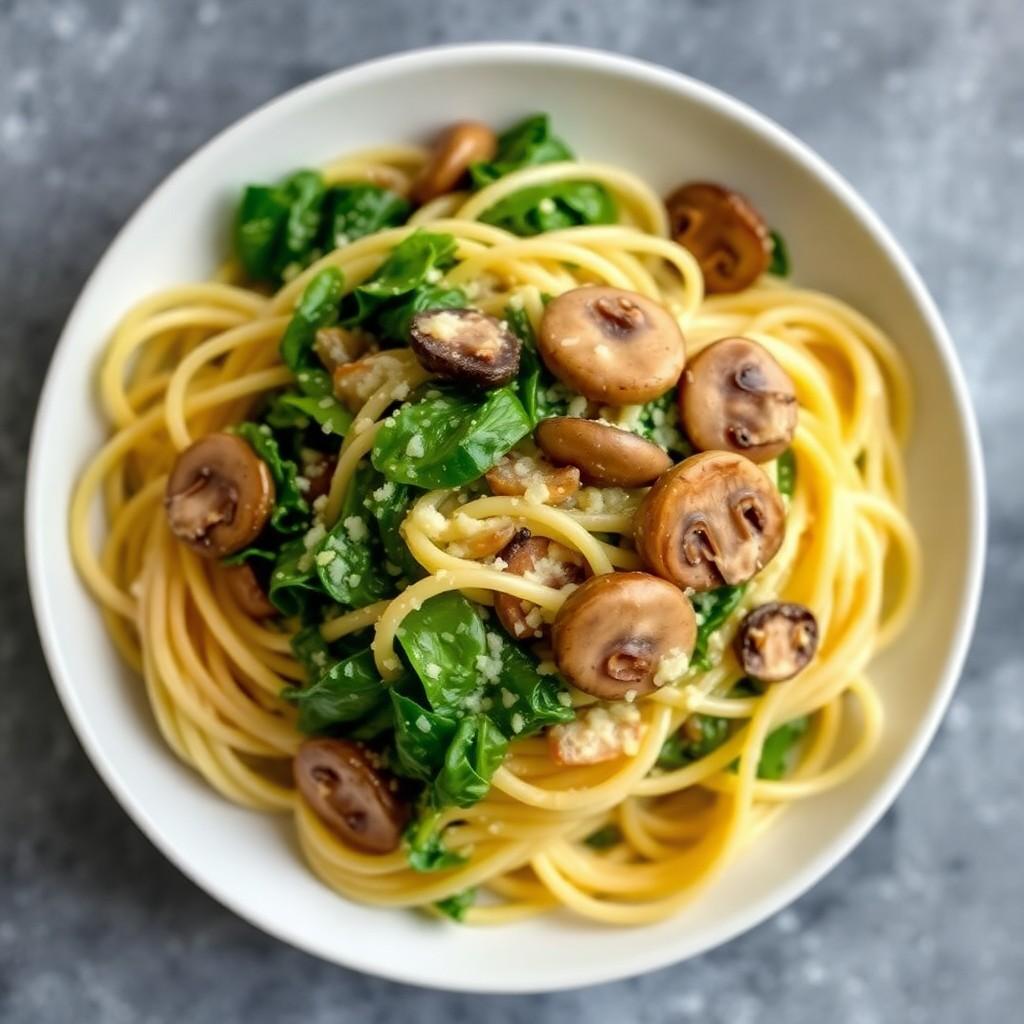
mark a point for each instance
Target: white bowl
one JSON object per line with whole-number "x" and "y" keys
{"x": 668, "y": 128}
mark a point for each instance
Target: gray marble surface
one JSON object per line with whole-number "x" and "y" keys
{"x": 920, "y": 104}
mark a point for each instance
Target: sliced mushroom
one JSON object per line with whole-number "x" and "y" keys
{"x": 539, "y": 560}
{"x": 247, "y": 591}
{"x": 219, "y": 495}
{"x": 724, "y": 232}
{"x": 355, "y": 382}
{"x": 517, "y": 474}
{"x": 776, "y": 641}
{"x": 715, "y": 518}
{"x": 350, "y": 794}
{"x": 462, "y": 144}
{"x": 336, "y": 346}
{"x": 465, "y": 345}
{"x": 484, "y": 543}
{"x": 612, "y": 346}
{"x": 616, "y": 634}
{"x": 607, "y": 456}
{"x": 735, "y": 397}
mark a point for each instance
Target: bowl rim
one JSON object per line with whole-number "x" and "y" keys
{"x": 645, "y": 72}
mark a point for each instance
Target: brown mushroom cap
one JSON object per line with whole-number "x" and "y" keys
{"x": 612, "y": 346}
{"x": 219, "y": 495}
{"x": 715, "y": 518}
{"x": 735, "y": 397}
{"x": 606, "y": 456}
{"x": 776, "y": 641}
{"x": 724, "y": 232}
{"x": 465, "y": 345}
{"x": 515, "y": 474}
{"x": 249, "y": 595}
{"x": 459, "y": 146}
{"x": 612, "y": 633}
{"x": 543, "y": 561}
{"x": 352, "y": 797}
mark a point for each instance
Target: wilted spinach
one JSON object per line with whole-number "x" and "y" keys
{"x": 553, "y": 207}
{"x": 404, "y": 284}
{"x": 777, "y": 746}
{"x": 526, "y": 144}
{"x": 422, "y": 737}
{"x": 291, "y": 511}
{"x": 456, "y": 906}
{"x": 450, "y": 439}
{"x": 475, "y": 752}
{"x": 344, "y": 691}
{"x": 524, "y": 701}
{"x": 787, "y": 473}
{"x": 355, "y": 210}
{"x": 682, "y": 747}
{"x": 389, "y": 503}
{"x": 713, "y": 607}
{"x": 779, "y": 265}
{"x": 424, "y": 840}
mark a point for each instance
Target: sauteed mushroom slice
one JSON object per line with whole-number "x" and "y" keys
{"x": 540, "y": 560}
{"x": 715, "y": 518}
{"x": 621, "y": 635}
{"x": 776, "y": 641}
{"x": 249, "y": 595}
{"x": 724, "y": 232}
{"x": 350, "y": 794}
{"x": 606, "y": 456}
{"x": 517, "y": 474}
{"x": 219, "y": 495}
{"x": 460, "y": 145}
{"x": 735, "y": 397}
{"x": 465, "y": 345}
{"x": 613, "y": 346}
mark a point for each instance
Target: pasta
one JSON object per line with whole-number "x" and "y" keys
{"x": 707, "y": 759}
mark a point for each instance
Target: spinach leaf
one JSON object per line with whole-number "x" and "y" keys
{"x": 318, "y": 307}
{"x": 526, "y": 144}
{"x": 449, "y": 440}
{"x": 358, "y": 209}
{"x": 276, "y": 226}
{"x": 525, "y": 700}
{"x": 456, "y": 906}
{"x": 787, "y": 473}
{"x": 425, "y": 847}
{"x": 443, "y": 640}
{"x": 293, "y": 579}
{"x": 403, "y": 284}
{"x": 683, "y": 747}
{"x": 604, "y": 838}
{"x": 659, "y": 422}
{"x": 535, "y": 385}
{"x": 475, "y": 752}
{"x": 777, "y": 747}
{"x": 347, "y": 560}
{"x": 291, "y": 511}
{"x": 389, "y": 504}
{"x": 780, "y": 264}
{"x": 318, "y": 405}
{"x": 713, "y": 607}
{"x": 312, "y": 652}
{"x": 552, "y": 207}
{"x": 421, "y": 737}
{"x": 344, "y": 691}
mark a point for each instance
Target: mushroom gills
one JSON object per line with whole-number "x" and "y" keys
{"x": 715, "y": 518}
{"x": 777, "y": 640}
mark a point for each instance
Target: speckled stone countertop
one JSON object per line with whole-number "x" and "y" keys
{"x": 920, "y": 104}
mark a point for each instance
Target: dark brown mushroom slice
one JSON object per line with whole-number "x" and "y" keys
{"x": 714, "y": 519}
{"x": 724, "y": 232}
{"x": 612, "y": 346}
{"x": 735, "y": 397}
{"x": 459, "y": 146}
{"x": 606, "y": 456}
{"x": 247, "y": 591}
{"x": 515, "y": 474}
{"x": 776, "y": 641}
{"x": 615, "y": 632}
{"x": 543, "y": 561}
{"x": 465, "y": 345}
{"x": 350, "y": 794}
{"x": 219, "y": 495}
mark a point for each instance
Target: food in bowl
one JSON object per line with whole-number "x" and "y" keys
{"x": 525, "y": 536}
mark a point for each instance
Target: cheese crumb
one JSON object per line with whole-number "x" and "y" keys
{"x": 415, "y": 448}
{"x": 518, "y": 723}
{"x": 356, "y": 528}
{"x": 672, "y": 667}
{"x": 422, "y": 724}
